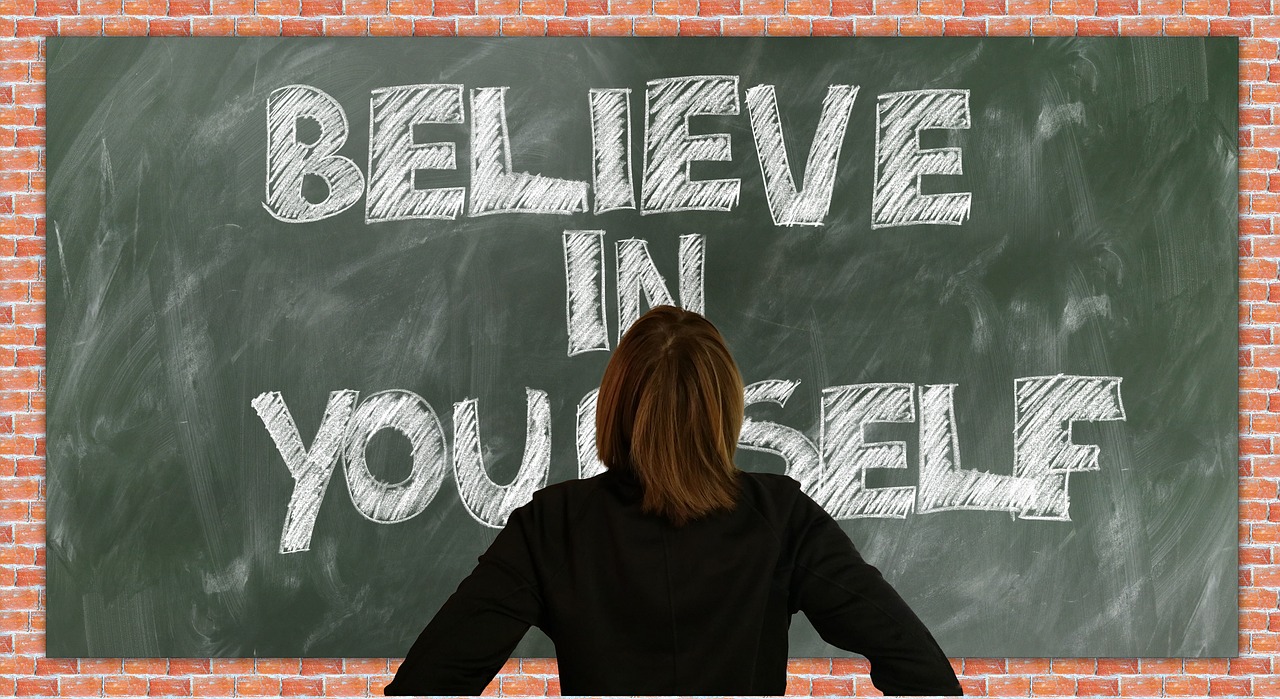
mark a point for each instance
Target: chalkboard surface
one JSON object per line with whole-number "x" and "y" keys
{"x": 322, "y": 311}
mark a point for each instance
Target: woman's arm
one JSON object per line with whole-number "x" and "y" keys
{"x": 474, "y": 633}
{"x": 853, "y": 607}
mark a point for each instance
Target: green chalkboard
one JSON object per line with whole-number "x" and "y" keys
{"x": 322, "y": 311}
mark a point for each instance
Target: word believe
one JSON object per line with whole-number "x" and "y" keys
{"x": 396, "y": 155}
{"x": 832, "y": 469}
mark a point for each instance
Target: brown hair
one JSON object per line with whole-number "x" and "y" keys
{"x": 670, "y": 410}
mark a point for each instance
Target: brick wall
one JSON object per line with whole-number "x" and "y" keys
{"x": 24, "y": 23}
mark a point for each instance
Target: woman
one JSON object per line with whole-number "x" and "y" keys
{"x": 673, "y": 572}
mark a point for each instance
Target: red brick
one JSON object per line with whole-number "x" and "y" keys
{"x": 1186, "y": 26}
{"x": 1248, "y": 7}
{"x": 787, "y": 26}
{"x": 845, "y": 8}
{"x": 258, "y": 26}
{"x": 523, "y": 26}
{"x": 315, "y": 8}
{"x": 144, "y": 7}
{"x": 809, "y": 666}
{"x": 390, "y": 26}
{"x": 213, "y": 685}
{"x": 188, "y": 666}
{"x": 543, "y": 8}
{"x": 346, "y": 26}
{"x": 1093, "y": 26}
{"x": 179, "y": 8}
{"x": 1008, "y": 26}
{"x": 32, "y": 686}
{"x": 169, "y": 27}
{"x": 80, "y": 686}
{"x": 321, "y": 666}
{"x": 1073, "y": 7}
{"x": 213, "y": 26}
{"x": 655, "y": 26}
{"x": 1138, "y": 685}
{"x": 232, "y": 7}
{"x": 1228, "y": 686}
{"x": 231, "y": 666}
{"x": 478, "y": 26}
{"x": 1205, "y": 7}
{"x": 567, "y": 26}
{"x": 675, "y": 7}
{"x": 434, "y": 26}
{"x": 798, "y": 686}
{"x": 257, "y": 686}
{"x": 278, "y": 7}
{"x": 46, "y": 8}
{"x": 984, "y": 666}
{"x": 1248, "y": 666}
{"x": 699, "y": 26}
{"x": 301, "y": 686}
{"x": 1046, "y": 685}
{"x": 523, "y": 686}
{"x": 346, "y": 686}
{"x": 1098, "y": 686}
{"x": 1117, "y": 666}
{"x": 1185, "y": 685}
{"x": 1266, "y": 686}
{"x": 301, "y": 26}
{"x": 14, "y": 599}
{"x": 1008, "y": 686}
{"x": 169, "y": 686}
{"x": 832, "y": 26}
{"x": 609, "y": 26}
{"x": 832, "y": 686}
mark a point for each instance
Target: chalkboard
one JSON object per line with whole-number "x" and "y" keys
{"x": 321, "y": 312}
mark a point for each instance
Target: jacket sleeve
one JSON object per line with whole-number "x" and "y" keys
{"x": 853, "y": 607}
{"x": 465, "y": 645}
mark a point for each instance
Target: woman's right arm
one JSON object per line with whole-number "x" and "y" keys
{"x": 853, "y": 607}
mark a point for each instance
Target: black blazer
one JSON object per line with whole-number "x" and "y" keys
{"x": 638, "y": 606}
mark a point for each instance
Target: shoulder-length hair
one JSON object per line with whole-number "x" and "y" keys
{"x": 670, "y": 410}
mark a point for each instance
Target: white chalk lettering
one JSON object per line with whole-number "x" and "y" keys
{"x": 411, "y": 416}
{"x": 847, "y": 456}
{"x": 394, "y": 157}
{"x": 311, "y": 468}
{"x": 669, "y": 148}
{"x": 489, "y": 503}
{"x": 803, "y": 460}
{"x": 495, "y": 188}
{"x": 1044, "y": 409}
{"x": 584, "y": 291}
{"x": 638, "y": 276}
{"x": 589, "y": 463}
{"x": 809, "y": 206}
{"x": 944, "y": 484}
{"x": 290, "y": 160}
{"x": 900, "y": 161}
{"x": 611, "y": 149}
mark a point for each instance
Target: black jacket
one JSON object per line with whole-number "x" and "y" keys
{"x": 637, "y": 606}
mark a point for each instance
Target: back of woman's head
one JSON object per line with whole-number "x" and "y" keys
{"x": 670, "y": 410}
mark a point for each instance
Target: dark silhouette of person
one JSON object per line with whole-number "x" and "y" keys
{"x": 673, "y": 572}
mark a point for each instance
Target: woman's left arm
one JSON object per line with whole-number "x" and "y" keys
{"x": 466, "y": 643}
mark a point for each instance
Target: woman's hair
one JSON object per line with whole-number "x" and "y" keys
{"x": 669, "y": 410}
